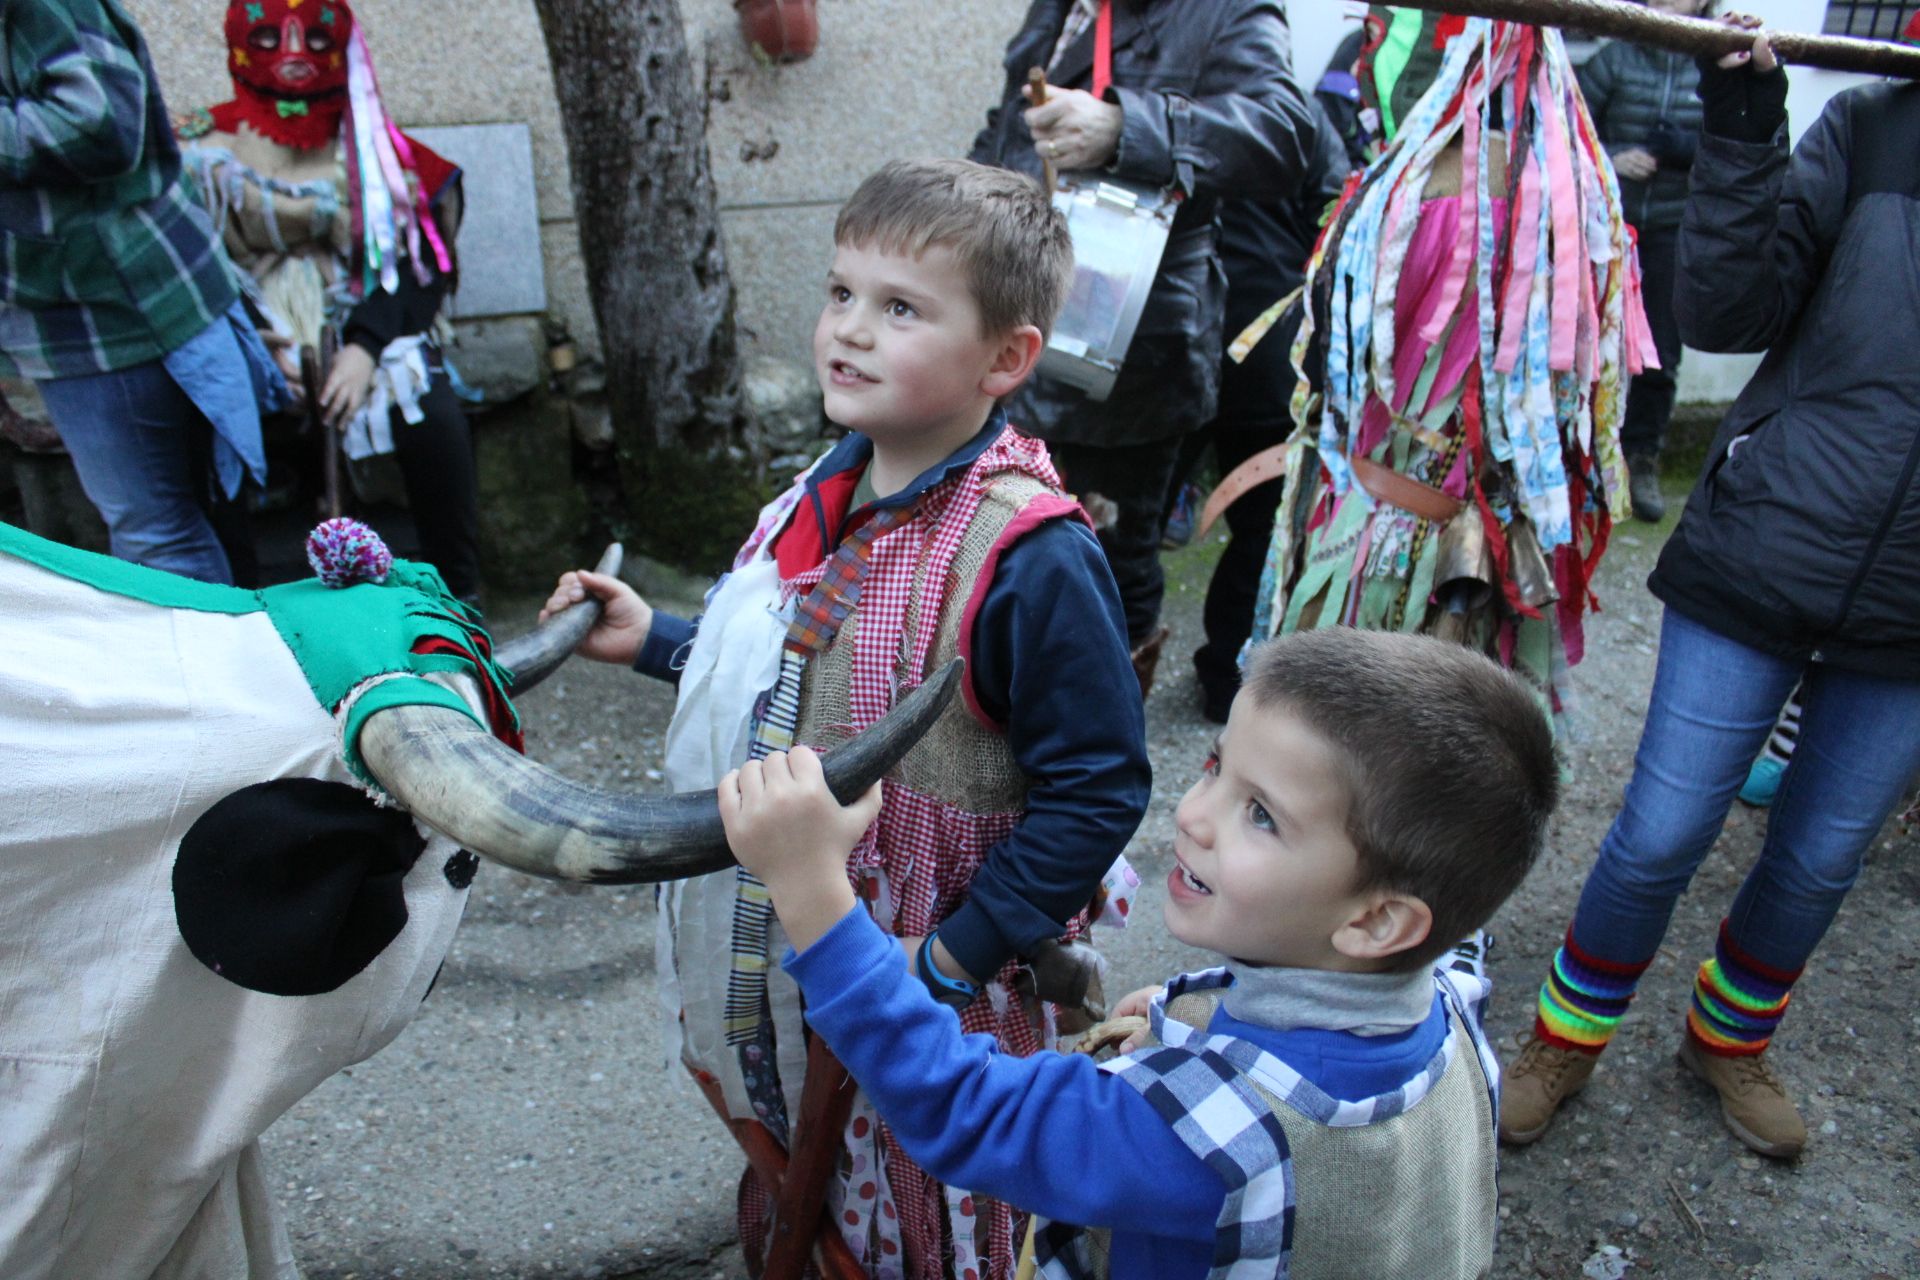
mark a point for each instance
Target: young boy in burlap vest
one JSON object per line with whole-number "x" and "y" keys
{"x": 930, "y": 532}
{"x": 1322, "y": 1105}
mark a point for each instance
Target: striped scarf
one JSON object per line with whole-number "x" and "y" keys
{"x": 816, "y": 621}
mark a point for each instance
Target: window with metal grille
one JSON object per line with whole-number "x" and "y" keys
{"x": 1872, "y": 19}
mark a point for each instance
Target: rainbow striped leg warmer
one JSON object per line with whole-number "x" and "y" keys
{"x": 1737, "y": 1001}
{"x": 1584, "y": 998}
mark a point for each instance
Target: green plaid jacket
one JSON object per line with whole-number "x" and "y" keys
{"x": 107, "y": 258}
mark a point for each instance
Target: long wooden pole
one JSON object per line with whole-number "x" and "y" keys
{"x": 1643, "y": 25}
{"x": 1037, "y": 80}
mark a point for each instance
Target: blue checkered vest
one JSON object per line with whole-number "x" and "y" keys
{"x": 1235, "y": 1106}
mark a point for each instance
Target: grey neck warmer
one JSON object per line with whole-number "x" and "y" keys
{"x": 1367, "y": 1004}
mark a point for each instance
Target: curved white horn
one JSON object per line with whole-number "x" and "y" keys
{"x": 534, "y": 656}
{"x": 456, "y": 777}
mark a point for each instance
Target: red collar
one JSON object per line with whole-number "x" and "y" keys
{"x": 809, "y": 536}
{"x": 433, "y": 168}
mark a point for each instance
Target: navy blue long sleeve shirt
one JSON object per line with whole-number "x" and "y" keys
{"x": 1050, "y": 663}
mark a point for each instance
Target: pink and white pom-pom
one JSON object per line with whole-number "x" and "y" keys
{"x": 344, "y": 552}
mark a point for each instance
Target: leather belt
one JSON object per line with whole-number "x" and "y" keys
{"x": 1408, "y": 494}
{"x": 1268, "y": 464}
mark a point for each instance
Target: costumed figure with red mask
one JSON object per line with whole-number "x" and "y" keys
{"x": 1472, "y": 317}
{"x": 344, "y": 226}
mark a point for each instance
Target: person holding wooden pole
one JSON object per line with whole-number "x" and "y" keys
{"x": 1195, "y": 96}
{"x": 1802, "y": 537}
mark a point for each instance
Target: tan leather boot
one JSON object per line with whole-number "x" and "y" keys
{"x": 1753, "y": 1102}
{"x": 1532, "y": 1089}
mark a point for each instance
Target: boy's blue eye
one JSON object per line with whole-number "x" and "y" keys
{"x": 1257, "y": 814}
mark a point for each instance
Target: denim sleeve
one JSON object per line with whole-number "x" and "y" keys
{"x": 1052, "y": 1133}
{"x": 1050, "y": 662}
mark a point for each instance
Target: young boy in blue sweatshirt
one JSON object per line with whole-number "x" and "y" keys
{"x": 1323, "y": 1104}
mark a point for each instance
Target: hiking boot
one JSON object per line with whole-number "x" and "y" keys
{"x": 1532, "y": 1089}
{"x": 1643, "y": 488}
{"x": 1146, "y": 659}
{"x": 1753, "y": 1102}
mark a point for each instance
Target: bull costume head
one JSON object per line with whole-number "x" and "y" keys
{"x": 288, "y": 59}
{"x": 191, "y": 848}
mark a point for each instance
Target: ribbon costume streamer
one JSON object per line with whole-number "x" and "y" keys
{"x": 1463, "y": 363}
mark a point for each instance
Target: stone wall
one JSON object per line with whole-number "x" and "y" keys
{"x": 789, "y": 143}
{"x": 891, "y": 78}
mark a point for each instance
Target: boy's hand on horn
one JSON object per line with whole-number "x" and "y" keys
{"x": 1136, "y": 1004}
{"x": 785, "y": 826}
{"x": 624, "y": 624}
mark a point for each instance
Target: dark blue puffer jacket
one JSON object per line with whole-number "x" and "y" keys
{"x": 1644, "y": 98}
{"x": 1807, "y": 539}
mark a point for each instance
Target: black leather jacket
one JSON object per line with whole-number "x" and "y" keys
{"x": 1808, "y": 538}
{"x": 1209, "y": 106}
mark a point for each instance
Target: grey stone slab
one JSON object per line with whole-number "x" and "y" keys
{"x": 501, "y": 268}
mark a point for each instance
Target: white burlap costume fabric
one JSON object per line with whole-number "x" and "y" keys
{"x": 134, "y": 1083}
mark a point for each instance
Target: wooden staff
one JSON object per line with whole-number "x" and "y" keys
{"x": 1037, "y": 86}
{"x": 311, "y": 365}
{"x": 1642, "y": 25}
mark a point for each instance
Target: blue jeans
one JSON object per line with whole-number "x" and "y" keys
{"x": 1714, "y": 702}
{"x": 143, "y": 453}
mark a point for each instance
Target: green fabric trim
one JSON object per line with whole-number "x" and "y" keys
{"x": 118, "y": 577}
{"x": 1391, "y": 59}
{"x": 394, "y": 693}
{"x": 341, "y": 638}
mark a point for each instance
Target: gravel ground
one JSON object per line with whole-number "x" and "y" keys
{"x": 527, "y": 1124}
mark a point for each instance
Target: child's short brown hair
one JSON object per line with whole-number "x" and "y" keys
{"x": 1448, "y": 763}
{"x": 1012, "y": 245}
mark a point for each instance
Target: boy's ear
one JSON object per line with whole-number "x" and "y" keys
{"x": 1017, "y": 356}
{"x": 1387, "y": 924}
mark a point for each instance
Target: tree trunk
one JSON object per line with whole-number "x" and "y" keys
{"x": 649, "y": 225}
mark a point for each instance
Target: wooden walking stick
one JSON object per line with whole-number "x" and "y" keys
{"x": 1037, "y": 84}
{"x": 797, "y": 1180}
{"x": 312, "y": 365}
{"x": 1643, "y": 25}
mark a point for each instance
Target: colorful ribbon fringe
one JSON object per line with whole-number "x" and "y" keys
{"x": 1479, "y": 344}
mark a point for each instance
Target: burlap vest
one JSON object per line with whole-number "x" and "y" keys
{"x": 1411, "y": 1196}
{"x": 962, "y": 761}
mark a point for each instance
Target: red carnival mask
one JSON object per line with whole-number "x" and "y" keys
{"x": 289, "y": 63}
{"x": 289, "y": 48}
